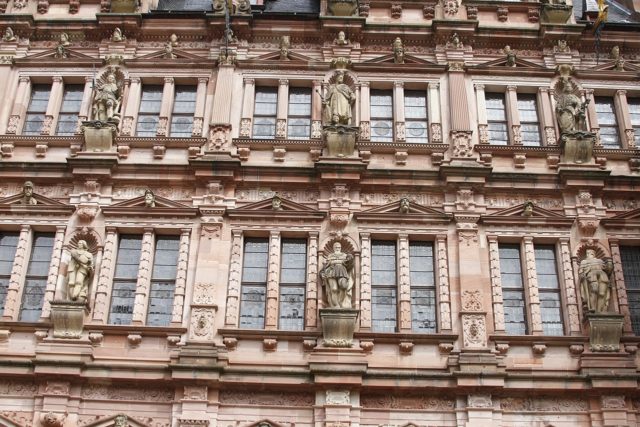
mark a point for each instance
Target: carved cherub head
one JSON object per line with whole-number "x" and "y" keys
{"x": 405, "y": 205}
{"x": 276, "y": 203}
{"x": 528, "y": 209}
{"x": 149, "y": 199}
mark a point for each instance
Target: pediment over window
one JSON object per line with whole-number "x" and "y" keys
{"x": 275, "y": 56}
{"x": 502, "y": 63}
{"x": 5, "y": 421}
{"x": 276, "y": 208}
{"x": 400, "y": 211}
{"x": 611, "y": 66}
{"x": 137, "y": 207}
{"x": 51, "y": 53}
{"x": 408, "y": 59}
{"x": 179, "y": 54}
{"x": 118, "y": 420}
{"x": 266, "y": 423}
{"x": 527, "y": 214}
{"x": 44, "y": 205}
{"x": 629, "y": 219}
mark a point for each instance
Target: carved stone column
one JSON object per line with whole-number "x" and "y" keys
{"x": 282, "y": 109}
{"x": 365, "y": 111}
{"x": 316, "y": 110}
{"x": 594, "y": 126}
{"x": 220, "y": 125}
{"x": 144, "y": 278}
{"x": 459, "y": 120}
{"x": 513, "y": 116}
{"x": 181, "y": 277}
{"x": 404, "y": 283}
{"x": 87, "y": 100}
{"x": 481, "y": 106}
{"x": 573, "y": 312}
{"x": 624, "y": 119}
{"x": 18, "y": 272}
{"x": 130, "y": 113}
{"x": 247, "y": 107}
{"x": 53, "y": 106}
{"x": 496, "y": 285}
{"x": 532, "y": 286}
{"x": 435, "y": 119}
{"x": 365, "y": 281}
{"x": 621, "y": 289}
{"x": 20, "y": 105}
{"x": 442, "y": 281}
{"x": 311, "y": 317}
{"x": 235, "y": 277}
{"x": 52, "y": 278}
{"x": 547, "y": 117}
{"x": 273, "y": 281}
{"x": 201, "y": 99}
{"x": 168, "y": 91}
{"x": 398, "y": 107}
{"x": 105, "y": 279}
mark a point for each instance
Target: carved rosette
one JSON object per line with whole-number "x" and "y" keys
{"x": 316, "y": 129}
{"x": 218, "y": 137}
{"x": 163, "y": 123}
{"x": 462, "y": 147}
{"x": 12, "y": 127}
{"x": 483, "y": 132}
{"x": 516, "y": 131}
{"x": 630, "y": 136}
{"x": 550, "y": 135}
{"x": 400, "y": 132}
{"x": 281, "y": 128}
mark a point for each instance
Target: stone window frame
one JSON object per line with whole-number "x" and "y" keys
{"x": 22, "y": 99}
{"x": 569, "y": 299}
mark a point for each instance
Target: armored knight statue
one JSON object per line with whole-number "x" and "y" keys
{"x": 108, "y": 98}
{"x": 79, "y": 273}
{"x": 570, "y": 110}
{"x": 337, "y": 102}
{"x": 594, "y": 282}
{"x": 337, "y": 278}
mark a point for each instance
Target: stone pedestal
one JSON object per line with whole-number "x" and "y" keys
{"x": 556, "y": 13}
{"x": 67, "y": 318}
{"x": 340, "y": 140}
{"x": 99, "y": 136}
{"x": 605, "y": 330}
{"x": 338, "y": 326}
{"x": 577, "y": 147}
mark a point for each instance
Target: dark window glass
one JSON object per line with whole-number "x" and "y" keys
{"x": 299, "y": 120}
{"x": 163, "y": 281}
{"x": 264, "y": 114}
{"x": 512, "y": 290}
{"x": 69, "y": 110}
{"x": 548, "y": 290}
{"x": 423, "y": 287}
{"x": 415, "y": 114}
{"x": 8, "y": 245}
{"x": 497, "y": 119}
{"x": 125, "y": 279}
{"x": 184, "y": 107}
{"x": 149, "y": 112}
{"x": 630, "y": 256}
{"x": 634, "y": 113}
{"x": 529, "y": 122}
{"x": 383, "y": 286}
{"x": 381, "y": 115}
{"x": 293, "y": 279}
{"x": 36, "y": 279}
{"x": 37, "y": 109}
{"x": 607, "y": 121}
{"x": 254, "y": 283}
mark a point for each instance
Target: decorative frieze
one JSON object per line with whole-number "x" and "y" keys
{"x": 424, "y": 402}
{"x": 265, "y": 398}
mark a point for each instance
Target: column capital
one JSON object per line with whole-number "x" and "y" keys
{"x": 57, "y": 79}
{"x": 543, "y": 89}
{"x": 169, "y": 80}
{"x": 434, "y": 85}
{"x": 24, "y": 79}
{"x": 249, "y": 81}
{"x": 135, "y": 80}
{"x": 203, "y": 80}
{"x": 283, "y": 82}
{"x": 512, "y": 88}
{"x": 317, "y": 82}
{"x": 148, "y": 230}
{"x": 398, "y": 84}
{"x": 621, "y": 92}
{"x": 478, "y": 86}
{"x": 88, "y": 79}
{"x": 365, "y": 84}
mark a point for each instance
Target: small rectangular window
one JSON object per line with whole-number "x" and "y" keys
{"x": 415, "y": 113}
{"x": 381, "y": 115}
{"x": 34, "y": 119}
{"x": 423, "y": 287}
{"x": 512, "y": 289}
{"x": 383, "y": 286}
{"x": 70, "y": 109}
{"x": 125, "y": 280}
{"x": 497, "y": 119}
{"x": 149, "y": 112}
{"x": 634, "y": 113}
{"x": 299, "y": 120}
{"x": 607, "y": 121}
{"x": 264, "y": 115}
{"x": 549, "y": 290}
{"x": 163, "y": 281}
{"x": 184, "y": 107}
{"x": 529, "y": 122}
{"x": 35, "y": 282}
{"x": 293, "y": 279}
{"x": 8, "y": 245}
{"x": 254, "y": 283}
{"x": 630, "y": 256}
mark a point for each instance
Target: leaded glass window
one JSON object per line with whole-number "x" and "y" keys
{"x": 383, "y": 286}
{"x": 634, "y": 114}
{"x": 549, "y": 290}
{"x": 497, "y": 119}
{"x": 606, "y": 114}
{"x": 265, "y": 111}
{"x": 8, "y": 245}
{"x": 381, "y": 115}
{"x": 37, "y": 109}
{"x": 163, "y": 281}
{"x": 184, "y": 107}
{"x": 630, "y": 256}
{"x": 125, "y": 278}
{"x": 529, "y": 122}
{"x": 415, "y": 113}
{"x": 512, "y": 289}
{"x": 293, "y": 279}
{"x": 423, "y": 287}
{"x": 254, "y": 283}
{"x": 35, "y": 281}
{"x": 299, "y": 120}
{"x": 149, "y": 112}
{"x": 70, "y": 109}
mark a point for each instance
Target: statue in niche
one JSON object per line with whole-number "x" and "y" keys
{"x": 398, "y": 51}
{"x": 108, "y": 98}
{"x": 8, "y": 35}
{"x": 337, "y": 278}
{"x": 149, "y": 199}
{"x": 570, "y": 110}
{"x": 79, "y": 273}
{"x": 337, "y": 102}
{"x": 27, "y": 194}
{"x": 405, "y": 205}
{"x": 594, "y": 282}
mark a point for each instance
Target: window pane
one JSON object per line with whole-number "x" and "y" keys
{"x": 415, "y": 112}
{"x": 630, "y": 256}
{"x": 122, "y": 298}
{"x": 381, "y": 115}
{"x": 514, "y": 312}
{"x": 293, "y": 261}
{"x": 254, "y": 283}
{"x": 299, "y": 120}
{"x": 512, "y": 289}
{"x": 128, "y": 259}
{"x": 496, "y": 119}
{"x": 8, "y": 245}
{"x": 634, "y": 113}
{"x": 36, "y": 279}
{"x": 125, "y": 279}
{"x": 160, "y": 303}
{"x": 383, "y": 281}
{"x": 34, "y": 118}
{"x": 529, "y": 122}
{"x": 163, "y": 281}
{"x": 383, "y": 309}
{"x": 551, "y": 313}
{"x": 184, "y": 107}
{"x": 607, "y": 121}
{"x": 291, "y": 308}
{"x": 149, "y": 111}
{"x": 69, "y": 110}
{"x": 383, "y": 263}
{"x": 423, "y": 293}
{"x": 252, "y": 307}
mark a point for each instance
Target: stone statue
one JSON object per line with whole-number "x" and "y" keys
{"x": 149, "y": 199}
{"x": 615, "y": 52}
{"x": 570, "y": 110}
{"x": 528, "y": 209}
{"x": 243, "y": 7}
{"x": 594, "y": 282}
{"x": 342, "y": 39}
{"x": 117, "y": 36}
{"x": 285, "y": 44}
{"x": 64, "y": 39}
{"x": 337, "y": 278}
{"x": 276, "y": 203}
{"x": 455, "y": 41}
{"x": 61, "y": 52}
{"x": 8, "y": 35}
{"x": 121, "y": 421}
{"x": 27, "y": 194}
{"x": 405, "y": 205}
{"x": 79, "y": 273}
{"x": 337, "y": 102}
{"x": 168, "y": 51}
{"x": 173, "y": 39}
{"x": 511, "y": 56}
{"x": 108, "y": 98}
{"x": 398, "y": 51}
